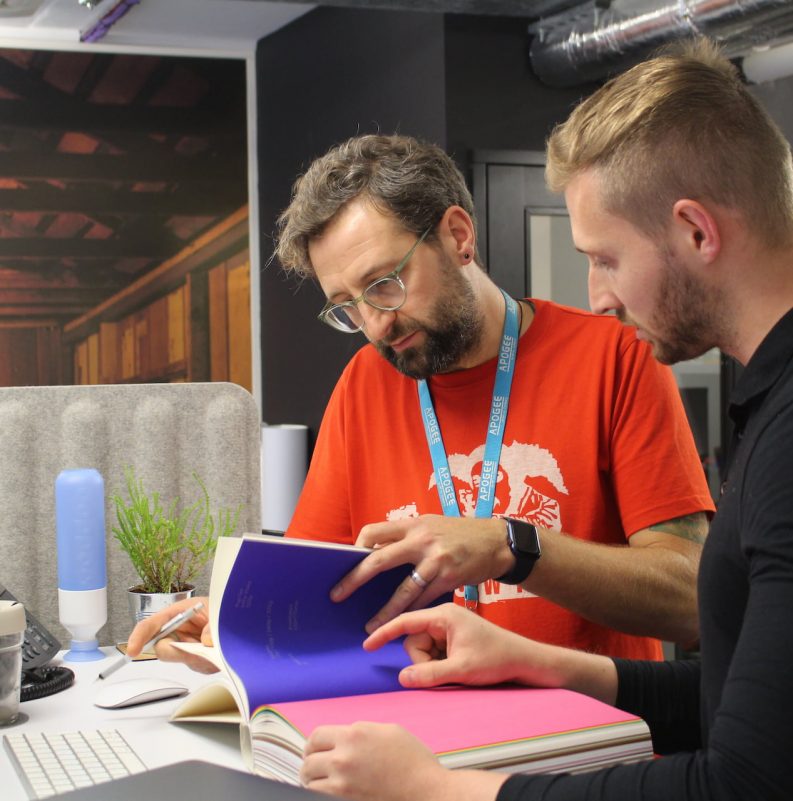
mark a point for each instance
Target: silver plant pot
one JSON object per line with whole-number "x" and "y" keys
{"x": 145, "y": 604}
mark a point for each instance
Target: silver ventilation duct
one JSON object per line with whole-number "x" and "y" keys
{"x": 588, "y": 42}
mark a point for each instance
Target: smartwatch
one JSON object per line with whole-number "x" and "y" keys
{"x": 524, "y": 543}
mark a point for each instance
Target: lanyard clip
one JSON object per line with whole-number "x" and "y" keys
{"x": 471, "y": 593}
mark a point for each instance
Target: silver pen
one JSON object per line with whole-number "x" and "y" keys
{"x": 167, "y": 629}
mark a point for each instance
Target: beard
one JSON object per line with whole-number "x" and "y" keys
{"x": 455, "y": 328}
{"x": 686, "y": 316}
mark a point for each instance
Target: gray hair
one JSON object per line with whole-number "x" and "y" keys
{"x": 413, "y": 181}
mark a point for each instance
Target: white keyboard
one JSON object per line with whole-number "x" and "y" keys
{"x": 49, "y": 764}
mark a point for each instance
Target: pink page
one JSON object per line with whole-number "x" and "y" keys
{"x": 457, "y": 718}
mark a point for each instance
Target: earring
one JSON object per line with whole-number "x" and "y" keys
{"x": 467, "y": 257}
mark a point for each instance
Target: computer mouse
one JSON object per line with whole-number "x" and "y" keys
{"x": 141, "y": 690}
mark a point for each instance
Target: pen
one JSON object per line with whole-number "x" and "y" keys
{"x": 167, "y": 628}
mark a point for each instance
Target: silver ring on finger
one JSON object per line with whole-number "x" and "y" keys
{"x": 416, "y": 577}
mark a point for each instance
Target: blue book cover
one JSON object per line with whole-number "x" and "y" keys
{"x": 284, "y": 638}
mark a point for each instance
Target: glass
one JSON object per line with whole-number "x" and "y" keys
{"x": 12, "y": 636}
{"x": 385, "y": 294}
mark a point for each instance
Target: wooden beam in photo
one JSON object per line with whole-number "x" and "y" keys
{"x": 78, "y": 296}
{"x": 34, "y": 248}
{"x": 224, "y": 199}
{"x": 37, "y": 322}
{"x": 68, "y": 310}
{"x": 23, "y": 115}
{"x": 129, "y": 168}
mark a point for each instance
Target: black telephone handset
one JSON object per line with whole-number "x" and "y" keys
{"x": 38, "y": 648}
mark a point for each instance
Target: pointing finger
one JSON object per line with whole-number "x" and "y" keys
{"x": 429, "y": 620}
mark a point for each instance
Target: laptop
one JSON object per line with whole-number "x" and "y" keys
{"x": 191, "y": 780}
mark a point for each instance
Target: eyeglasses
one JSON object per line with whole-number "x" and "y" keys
{"x": 386, "y": 294}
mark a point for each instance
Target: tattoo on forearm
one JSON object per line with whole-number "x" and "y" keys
{"x": 689, "y": 527}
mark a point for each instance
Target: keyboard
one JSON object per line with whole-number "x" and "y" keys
{"x": 48, "y": 764}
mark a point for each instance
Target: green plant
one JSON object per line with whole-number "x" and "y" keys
{"x": 168, "y": 548}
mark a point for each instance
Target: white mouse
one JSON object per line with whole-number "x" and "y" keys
{"x": 143, "y": 690}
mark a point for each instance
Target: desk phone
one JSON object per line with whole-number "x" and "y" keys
{"x": 39, "y": 645}
{"x": 38, "y": 648}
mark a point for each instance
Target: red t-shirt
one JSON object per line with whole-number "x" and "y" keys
{"x": 596, "y": 445}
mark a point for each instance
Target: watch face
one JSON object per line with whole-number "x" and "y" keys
{"x": 524, "y": 542}
{"x": 525, "y": 538}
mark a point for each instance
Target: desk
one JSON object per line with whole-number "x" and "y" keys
{"x": 146, "y": 727}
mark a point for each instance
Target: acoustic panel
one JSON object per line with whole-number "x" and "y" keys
{"x": 164, "y": 431}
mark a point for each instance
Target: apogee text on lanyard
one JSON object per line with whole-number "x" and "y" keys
{"x": 497, "y": 421}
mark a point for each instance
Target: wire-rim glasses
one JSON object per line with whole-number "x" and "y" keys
{"x": 387, "y": 293}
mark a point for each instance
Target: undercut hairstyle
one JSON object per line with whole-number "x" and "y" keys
{"x": 413, "y": 181}
{"x": 680, "y": 125}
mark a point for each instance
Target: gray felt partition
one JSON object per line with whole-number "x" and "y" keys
{"x": 164, "y": 431}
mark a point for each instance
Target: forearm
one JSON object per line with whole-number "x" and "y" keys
{"x": 467, "y": 785}
{"x": 539, "y": 664}
{"x": 639, "y": 590}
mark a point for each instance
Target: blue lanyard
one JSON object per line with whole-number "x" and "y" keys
{"x": 496, "y": 424}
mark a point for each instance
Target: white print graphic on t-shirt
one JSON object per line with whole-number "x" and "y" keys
{"x": 404, "y": 512}
{"x": 527, "y": 474}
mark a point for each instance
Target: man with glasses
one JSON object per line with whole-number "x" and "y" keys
{"x": 544, "y": 419}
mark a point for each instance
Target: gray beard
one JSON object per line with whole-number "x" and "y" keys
{"x": 455, "y": 331}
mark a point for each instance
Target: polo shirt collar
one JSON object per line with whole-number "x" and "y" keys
{"x": 765, "y": 367}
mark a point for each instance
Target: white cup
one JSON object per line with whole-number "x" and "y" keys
{"x": 12, "y": 635}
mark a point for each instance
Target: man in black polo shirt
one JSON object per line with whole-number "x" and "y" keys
{"x": 680, "y": 192}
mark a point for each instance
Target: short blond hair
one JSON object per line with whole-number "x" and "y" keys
{"x": 412, "y": 180}
{"x": 682, "y": 124}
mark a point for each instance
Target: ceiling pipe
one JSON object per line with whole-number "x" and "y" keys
{"x": 589, "y": 42}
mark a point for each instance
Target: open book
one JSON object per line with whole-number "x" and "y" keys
{"x": 291, "y": 660}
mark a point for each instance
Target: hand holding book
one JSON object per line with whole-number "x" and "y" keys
{"x": 366, "y": 761}
{"x": 449, "y": 645}
{"x": 447, "y": 552}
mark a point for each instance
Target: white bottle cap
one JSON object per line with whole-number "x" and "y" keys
{"x": 12, "y": 617}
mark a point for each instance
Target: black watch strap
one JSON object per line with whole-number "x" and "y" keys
{"x": 524, "y": 543}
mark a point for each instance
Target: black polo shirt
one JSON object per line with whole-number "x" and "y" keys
{"x": 746, "y": 624}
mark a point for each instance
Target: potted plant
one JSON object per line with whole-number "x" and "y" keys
{"x": 168, "y": 547}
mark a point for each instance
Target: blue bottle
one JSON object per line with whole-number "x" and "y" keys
{"x": 82, "y": 563}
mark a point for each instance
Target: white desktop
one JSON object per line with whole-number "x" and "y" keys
{"x": 146, "y": 728}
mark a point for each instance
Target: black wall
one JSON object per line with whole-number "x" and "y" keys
{"x": 493, "y": 99}
{"x": 329, "y": 75}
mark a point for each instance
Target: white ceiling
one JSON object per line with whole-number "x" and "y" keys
{"x": 223, "y": 27}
